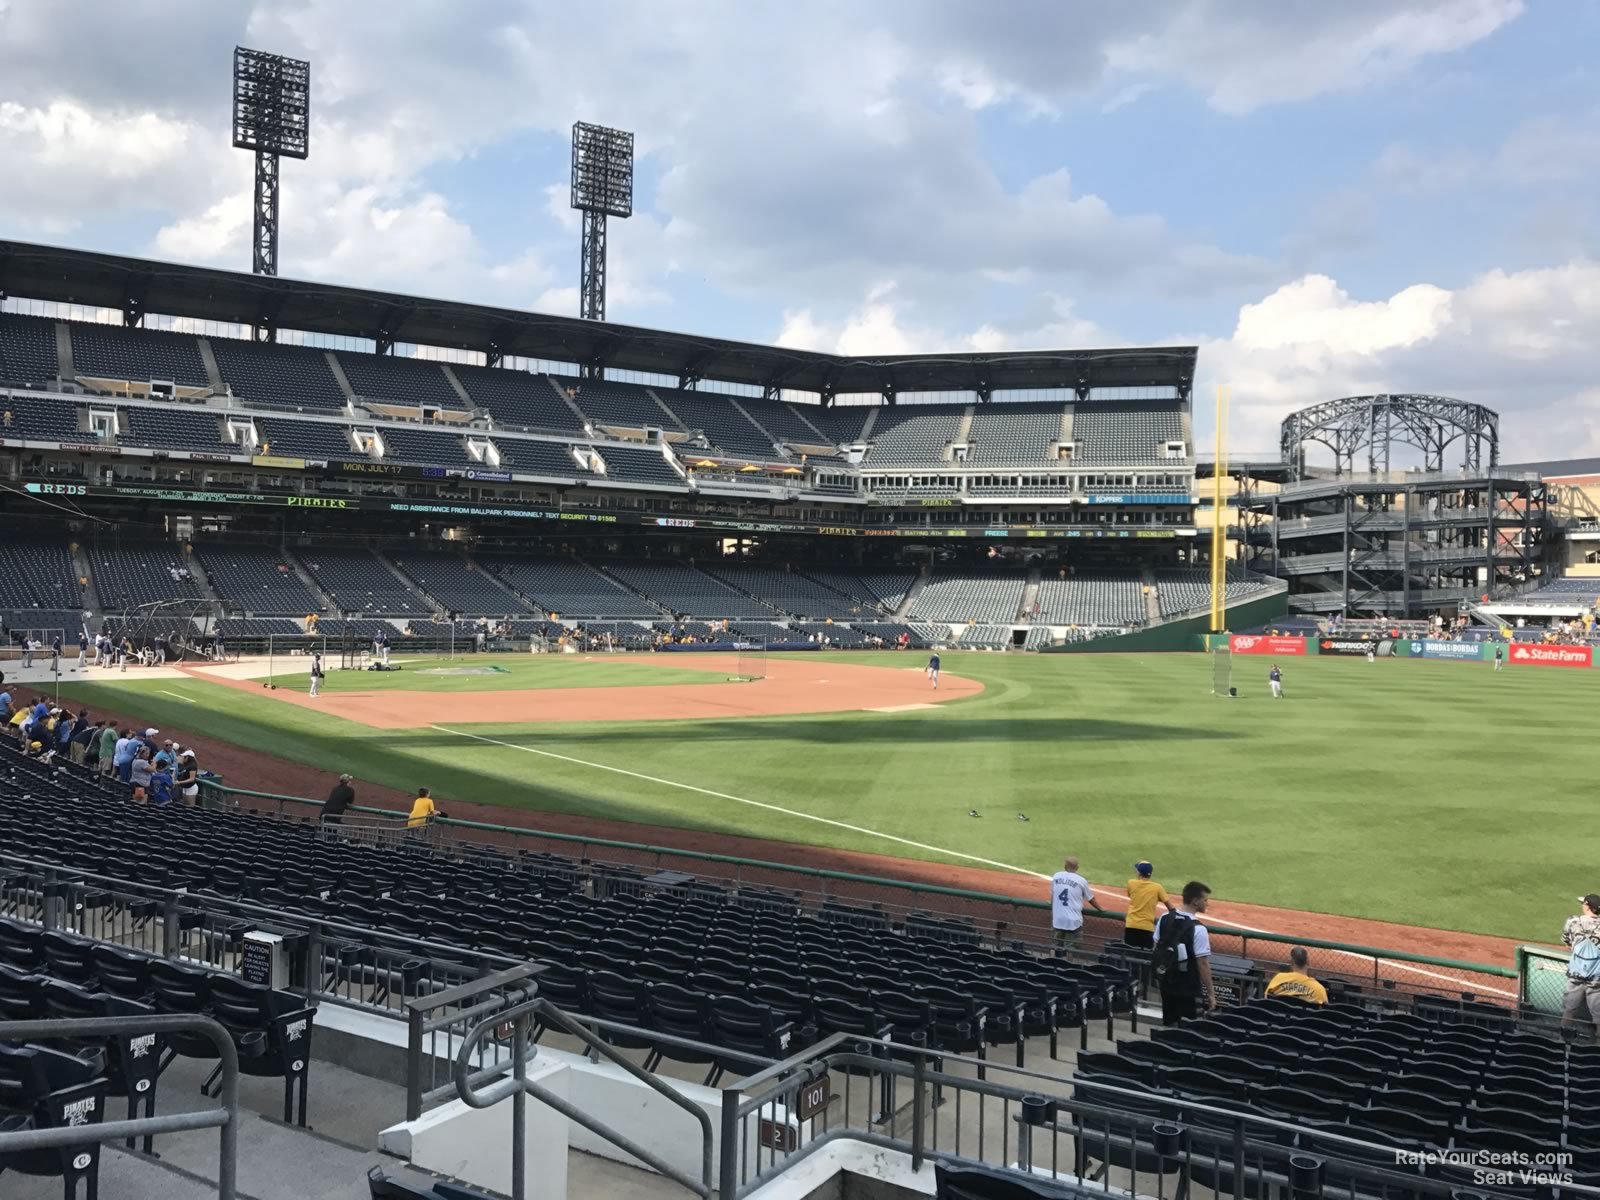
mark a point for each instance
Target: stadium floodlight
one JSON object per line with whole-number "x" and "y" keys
{"x": 271, "y": 116}
{"x": 602, "y": 186}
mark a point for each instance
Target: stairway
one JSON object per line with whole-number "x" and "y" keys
{"x": 201, "y": 580}
{"x": 964, "y": 431}
{"x": 583, "y": 417}
{"x": 733, "y": 587}
{"x": 91, "y": 594}
{"x": 339, "y": 376}
{"x": 617, "y": 583}
{"x": 208, "y": 357}
{"x": 911, "y": 595}
{"x": 872, "y": 419}
{"x": 490, "y": 576}
{"x": 64, "y": 363}
{"x": 1152, "y": 602}
{"x": 765, "y": 432}
{"x": 329, "y": 604}
{"x": 1030, "y": 591}
{"x": 433, "y": 604}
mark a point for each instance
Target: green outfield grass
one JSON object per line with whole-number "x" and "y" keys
{"x": 510, "y": 672}
{"x": 1438, "y": 794}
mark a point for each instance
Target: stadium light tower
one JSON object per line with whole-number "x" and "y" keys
{"x": 602, "y": 186}
{"x": 272, "y": 116}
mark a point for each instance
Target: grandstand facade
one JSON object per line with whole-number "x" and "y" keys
{"x": 406, "y": 458}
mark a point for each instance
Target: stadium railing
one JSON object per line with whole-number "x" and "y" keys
{"x": 1079, "y": 1134}
{"x": 224, "y": 1118}
{"x": 956, "y": 913}
{"x": 334, "y": 962}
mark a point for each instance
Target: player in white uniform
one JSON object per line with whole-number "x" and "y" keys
{"x": 1069, "y": 892}
{"x": 1275, "y": 678}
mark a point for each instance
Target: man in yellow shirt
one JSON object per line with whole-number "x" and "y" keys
{"x": 1295, "y": 983}
{"x": 1144, "y": 893}
{"x": 423, "y": 810}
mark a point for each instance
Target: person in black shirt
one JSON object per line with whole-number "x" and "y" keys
{"x": 339, "y": 799}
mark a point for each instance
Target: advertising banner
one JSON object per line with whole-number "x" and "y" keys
{"x": 1355, "y": 647}
{"x": 1267, "y": 643}
{"x": 1432, "y": 648}
{"x": 1525, "y": 653}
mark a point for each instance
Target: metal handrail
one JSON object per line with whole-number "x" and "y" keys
{"x": 518, "y": 983}
{"x": 519, "y": 1087}
{"x": 224, "y": 1119}
{"x": 938, "y": 1070}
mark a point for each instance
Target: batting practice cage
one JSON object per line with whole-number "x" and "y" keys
{"x": 1221, "y": 671}
{"x": 355, "y": 653}
{"x": 291, "y": 655}
{"x": 751, "y": 663}
{"x": 173, "y": 629}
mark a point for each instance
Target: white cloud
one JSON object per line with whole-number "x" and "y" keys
{"x": 824, "y": 171}
{"x": 1519, "y": 342}
{"x": 879, "y": 325}
{"x": 1553, "y": 148}
{"x": 62, "y": 161}
{"x": 1240, "y": 54}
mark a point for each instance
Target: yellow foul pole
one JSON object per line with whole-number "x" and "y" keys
{"x": 1219, "y": 533}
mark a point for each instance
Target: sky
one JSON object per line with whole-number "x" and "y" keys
{"x": 1328, "y": 199}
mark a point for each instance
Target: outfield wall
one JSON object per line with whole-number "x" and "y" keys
{"x": 1517, "y": 653}
{"x": 1188, "y": 634}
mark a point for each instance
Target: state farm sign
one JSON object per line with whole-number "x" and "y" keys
{"x": 1552, "y": 656}
{"x": 1266, "y": 643}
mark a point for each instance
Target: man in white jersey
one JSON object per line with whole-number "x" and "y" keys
{"x": 1069, "y": 892}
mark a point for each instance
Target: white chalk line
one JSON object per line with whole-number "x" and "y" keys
{"x": 888, "y": 837}
{"x": 777, "y": 808}
{"x": 175, "y": 696}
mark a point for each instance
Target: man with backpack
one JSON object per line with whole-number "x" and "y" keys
{"x": 1181, "y": 961}
{"x": 1581, "y": 1003}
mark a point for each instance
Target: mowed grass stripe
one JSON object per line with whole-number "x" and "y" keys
{"x": 515, "y": 672}
{"x": 1432, "y": 793}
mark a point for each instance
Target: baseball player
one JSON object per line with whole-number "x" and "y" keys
{"x": 316, "y": 673}
{"x": 1499, "y": 657}
{"x": 933, "y": 670}
{"x": 1275, "y": 678}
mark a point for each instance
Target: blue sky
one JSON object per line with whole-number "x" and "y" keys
{"x": 1377, "y": 195}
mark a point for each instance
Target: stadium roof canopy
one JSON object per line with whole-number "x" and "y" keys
{"x": 138, "y": 286}
{"x": 1558, "y": 468}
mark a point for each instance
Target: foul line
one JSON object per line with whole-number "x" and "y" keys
{"x": 788, "y": 812}
{"x": 1219, "y": 923}
{"x": 175, "y": 696}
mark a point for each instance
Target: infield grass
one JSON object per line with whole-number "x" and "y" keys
{"x": 506, "y": 672}
{"x": 1438, "y": 794}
